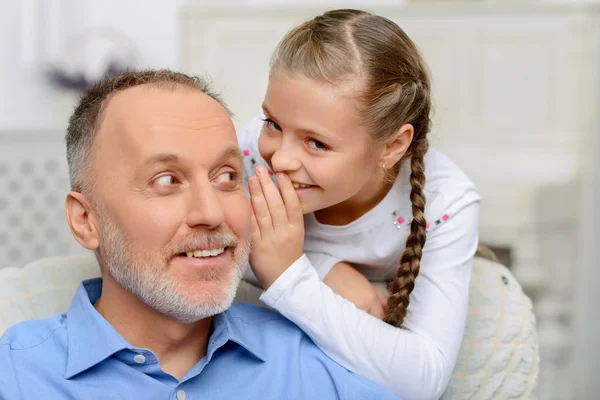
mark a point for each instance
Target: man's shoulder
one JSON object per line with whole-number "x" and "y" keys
{"x": 30, "y": 334}
{"x": 289, "y": 349}
{"x": 272, "y": 327}
{"x": 253, "y": 314}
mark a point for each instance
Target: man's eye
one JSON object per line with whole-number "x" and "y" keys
{"x": 165, "y": 180}
{"x": 227, "y": 177}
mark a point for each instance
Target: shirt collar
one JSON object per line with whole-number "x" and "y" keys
{"x": 92, "y": 339}
{"x": 232, "y": 325}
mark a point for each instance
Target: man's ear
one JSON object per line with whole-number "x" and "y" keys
{"x": 396, "y": 146}
{"x": 81, "y": 220}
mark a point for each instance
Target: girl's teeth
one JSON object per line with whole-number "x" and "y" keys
{"x": 300, "y": 186}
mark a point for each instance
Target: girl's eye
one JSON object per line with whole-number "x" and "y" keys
{"x": 316, "y": 145}
{"x": 271, "y": 124}
{"x": 165, "y": 180}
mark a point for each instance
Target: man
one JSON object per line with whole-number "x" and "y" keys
{"x": 157, "y": 194}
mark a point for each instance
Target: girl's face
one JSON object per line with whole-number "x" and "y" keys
{"x": 313, "y": 132}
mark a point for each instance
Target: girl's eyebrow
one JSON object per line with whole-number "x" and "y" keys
{"x": 321, "y": 136}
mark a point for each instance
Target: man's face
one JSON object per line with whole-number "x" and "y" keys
{"x": 174, "y": 219}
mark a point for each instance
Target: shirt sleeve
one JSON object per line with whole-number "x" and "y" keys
{"x": 322, "y": 262}
{"x": 9, "y": 389}
{"x": 415, "y": 362}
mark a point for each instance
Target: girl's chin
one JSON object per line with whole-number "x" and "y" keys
{"x": 308, "y": 206}
{"x": 306, "y": 209}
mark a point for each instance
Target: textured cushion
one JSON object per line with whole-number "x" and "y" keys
{"x": 499, "y": 357}
{"x": 42, "y": 288}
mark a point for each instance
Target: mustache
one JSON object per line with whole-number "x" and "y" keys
{"x": 204, "y": 240}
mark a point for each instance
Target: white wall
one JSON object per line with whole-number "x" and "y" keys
{"x": 25, "y": 101}
{"x": 586, "y": 287}
{"x": 38, "y": 33}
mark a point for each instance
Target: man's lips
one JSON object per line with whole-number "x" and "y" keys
{"x": 205, "y": 252}
{"x": 222, "y": 259}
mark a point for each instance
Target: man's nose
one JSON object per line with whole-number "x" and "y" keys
{"x": 204, "y": 209}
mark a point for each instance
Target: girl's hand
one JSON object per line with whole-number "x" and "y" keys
{"x": 277, "y": 226}
{"x": 344, "y": 280}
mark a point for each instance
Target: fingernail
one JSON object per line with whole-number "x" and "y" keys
{"x": 281, "y": 176}
{"x": 253, "y": 181}
{"x": 260, "y": 170}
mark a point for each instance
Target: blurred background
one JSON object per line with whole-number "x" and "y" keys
{"x": 516, "y": 90}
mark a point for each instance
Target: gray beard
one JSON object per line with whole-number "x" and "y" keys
{"x": 149, "y": 281}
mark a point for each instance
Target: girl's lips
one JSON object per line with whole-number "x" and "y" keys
{"x": 298, "y": 185}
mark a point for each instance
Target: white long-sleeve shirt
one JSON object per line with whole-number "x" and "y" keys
{"x": 417, "y": 360}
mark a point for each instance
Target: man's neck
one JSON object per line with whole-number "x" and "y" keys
{"x": 178, "y": 346}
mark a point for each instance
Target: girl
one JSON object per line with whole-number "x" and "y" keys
{"x": 345, "y": 124}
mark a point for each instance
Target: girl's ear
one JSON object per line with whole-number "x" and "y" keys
{"x": 396, "y": 146}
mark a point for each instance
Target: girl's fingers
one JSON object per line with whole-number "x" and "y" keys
{"x": 290, "y": 199}
{"x": 273, "y": 198}
{"x": 255, "y": 233}
{"x": 259, "y": 206}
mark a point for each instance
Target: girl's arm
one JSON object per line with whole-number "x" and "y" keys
{"x": 347, "y": 282}
{"x": 415, "y": 362}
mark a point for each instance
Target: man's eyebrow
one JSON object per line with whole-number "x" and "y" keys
{"x": 166, "y": 158}
{"x": 161, "y": 158}
{"x": 230, "y": 152}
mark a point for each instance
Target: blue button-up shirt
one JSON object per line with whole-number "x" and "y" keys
{"x": 253, "y": 353}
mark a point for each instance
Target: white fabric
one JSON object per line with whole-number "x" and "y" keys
{"x": 415, "y": 362}
{"x": 43, "y": 288}
{"x": 499, "y": 357}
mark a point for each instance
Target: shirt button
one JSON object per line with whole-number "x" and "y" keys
{"x": 139, "y": 358}
{"x": 180, "y": 395}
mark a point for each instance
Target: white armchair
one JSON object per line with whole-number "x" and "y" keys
{"x": 499, "y": 357}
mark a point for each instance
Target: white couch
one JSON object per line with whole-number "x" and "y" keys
{"x": 499, "y": 357}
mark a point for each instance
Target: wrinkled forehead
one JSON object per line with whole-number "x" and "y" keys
{"x": 141, "y": 122}
{"x": 145, "y": 104}
{"x": 148, "y": 116}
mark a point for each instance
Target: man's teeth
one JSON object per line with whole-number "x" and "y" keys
{"x": 301, "y": 186}
{"x": 205, "y": 253}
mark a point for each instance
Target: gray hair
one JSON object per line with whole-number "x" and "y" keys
{"x": 87, "y": 116}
